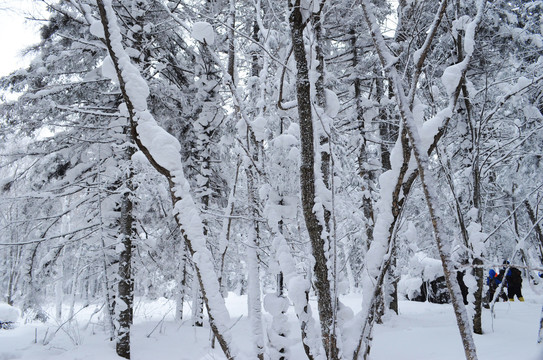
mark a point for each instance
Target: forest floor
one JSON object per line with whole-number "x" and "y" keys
{"x": 422, "y": 331}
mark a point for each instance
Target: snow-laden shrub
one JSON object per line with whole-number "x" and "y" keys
{"x": 424, "y": 281}
{"x": 8, "y": 316}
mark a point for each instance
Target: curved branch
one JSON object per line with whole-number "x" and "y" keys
{"x": 162, "y": 151}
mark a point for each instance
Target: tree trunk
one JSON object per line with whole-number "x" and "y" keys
{"x": 75, "y": 281}
{"x": 427, "y": 185}
{"x": 478, "y": 272}
{"x": 364, "y": 168}
{"x": 307, "y": 183}
{"x": 197, "y": 303}
{"x": 59, "y": 292}
{"x": 253, "y": 277}
{"x": 392, "y": 278}
{"x": 181, "y": 282}
{"x": 186, "y": 213}
{"x": 538, "y": 232}
{"x": 231, "y": 41}
{"x": 124, "y": 302}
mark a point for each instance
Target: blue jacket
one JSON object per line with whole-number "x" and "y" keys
{"x": 492, "y": 277}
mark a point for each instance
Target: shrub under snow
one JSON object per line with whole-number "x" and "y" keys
{"x": 8, "y": 316}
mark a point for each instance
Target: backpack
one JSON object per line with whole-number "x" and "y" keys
{"x": 516, "y": 275}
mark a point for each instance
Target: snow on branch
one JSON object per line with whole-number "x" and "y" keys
{"x": 421, "y": 156}
{"x": 162, "y": 151}
{"x": 203, "y": 32}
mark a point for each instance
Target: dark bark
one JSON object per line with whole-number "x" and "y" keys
{"x": 387, "y": 135}
{"x": 538, "y": 232}
{"x": 477, "y": 260}
{"x": 478, "y": 272}
{"x": 125, "y": 298}
{"x": 368, "y": 175}
{"x": 540, "y": 332}
{"x": 231, "y": 38}
{"x": 162, "y": 170}
{"x": 125, "y": 290}
{"x": 324, "y": 139}
{"x": 181, "y": 282}
{"x": 393, "y": 283}
{"x": 427, "y": 186}
{"x": 307, "y": 183}
{"x": 197, "y": 303}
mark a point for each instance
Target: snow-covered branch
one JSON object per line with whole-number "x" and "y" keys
{"x": 162, "y": 151}
{"x": 452, "y": 79}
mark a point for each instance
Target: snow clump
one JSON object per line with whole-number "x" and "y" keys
{"x": 332, "y": 103}
{"x": 203, "y": 32}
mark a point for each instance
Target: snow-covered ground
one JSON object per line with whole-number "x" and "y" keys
{"x": 422, "y": 331}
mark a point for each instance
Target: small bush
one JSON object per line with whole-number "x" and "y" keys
{"x": 8, "y": 316}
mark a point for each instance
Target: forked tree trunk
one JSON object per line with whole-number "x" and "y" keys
{"x": 426, "y": 182}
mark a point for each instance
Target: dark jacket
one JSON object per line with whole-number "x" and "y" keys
{"x": 514, "y": 276}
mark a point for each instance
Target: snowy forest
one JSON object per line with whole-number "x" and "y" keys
{"x": 291, "y": 153}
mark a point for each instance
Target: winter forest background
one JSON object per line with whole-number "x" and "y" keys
{"x": 296, "y": 153}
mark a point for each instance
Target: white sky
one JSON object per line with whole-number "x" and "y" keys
{"x": 16, "y": 33}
